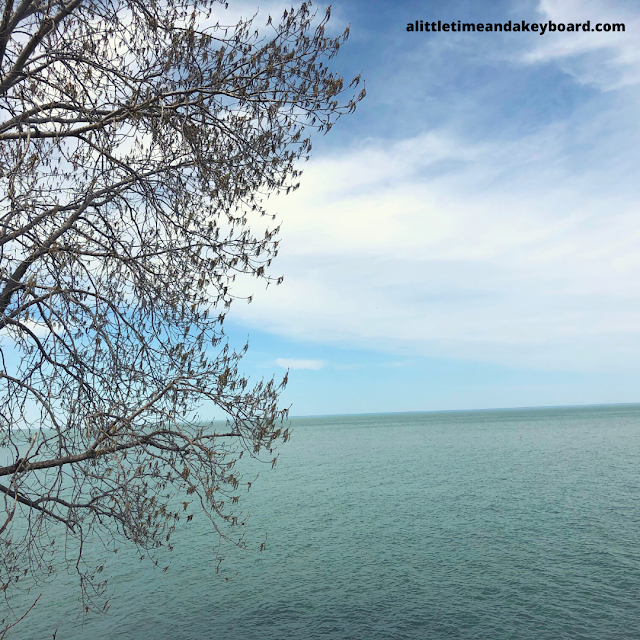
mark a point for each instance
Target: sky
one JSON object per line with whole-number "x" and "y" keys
{"x": 469, "y": 237}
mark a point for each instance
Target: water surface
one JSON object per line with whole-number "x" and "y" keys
{"x": 484, "y": 525}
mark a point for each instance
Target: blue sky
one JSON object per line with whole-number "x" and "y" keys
{"x": 469, "y": 238}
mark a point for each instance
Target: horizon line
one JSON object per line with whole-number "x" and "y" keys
{"x": 384, "y": 413}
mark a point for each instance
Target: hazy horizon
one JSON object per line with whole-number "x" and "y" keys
{"x": 561, "y": 406}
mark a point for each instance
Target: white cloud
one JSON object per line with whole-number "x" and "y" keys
{"x": 507, "y": 253}
{"x": 293, "y": 363}
{"x": 607, "y": 60}
{"x": 522, "y": 252}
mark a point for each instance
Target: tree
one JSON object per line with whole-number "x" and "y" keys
{"x": 138, "y": 142}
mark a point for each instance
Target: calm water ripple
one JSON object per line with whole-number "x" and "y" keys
{"x": 494, "y": 524}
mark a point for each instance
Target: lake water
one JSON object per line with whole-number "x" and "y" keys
{"x": 490, "y": 524}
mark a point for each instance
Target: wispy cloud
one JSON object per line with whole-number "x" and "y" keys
{"x": 518, "y": 247}
{"x": 515, "y": 253}
{"x": 607, "y": 60}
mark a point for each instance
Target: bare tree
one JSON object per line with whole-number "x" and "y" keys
{"x": 138, "y": 140}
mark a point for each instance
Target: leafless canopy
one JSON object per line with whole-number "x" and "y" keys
{"x": 138, "y": 140}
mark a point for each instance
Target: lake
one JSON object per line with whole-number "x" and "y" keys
{"x": 487, "y": 524}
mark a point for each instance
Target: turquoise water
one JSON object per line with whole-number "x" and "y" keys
{"x": 493, "y": 524}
